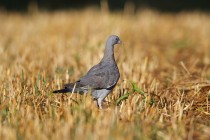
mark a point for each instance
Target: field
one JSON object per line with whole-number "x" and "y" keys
{"x": 163, "y": 91}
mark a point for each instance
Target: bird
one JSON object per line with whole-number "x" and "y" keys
{"x": 101, "y": 79}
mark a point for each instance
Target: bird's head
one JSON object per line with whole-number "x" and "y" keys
{"x": 113, "y": 40}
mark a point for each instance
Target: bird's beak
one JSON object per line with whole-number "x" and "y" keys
{"x": 119, "y": 42}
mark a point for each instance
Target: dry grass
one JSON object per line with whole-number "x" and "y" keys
{"x": 165, "y": 55}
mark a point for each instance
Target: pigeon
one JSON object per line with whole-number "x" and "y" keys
{"x": 101, "y": 79}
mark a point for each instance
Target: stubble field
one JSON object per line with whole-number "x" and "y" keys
{"x": 163, "y": 91}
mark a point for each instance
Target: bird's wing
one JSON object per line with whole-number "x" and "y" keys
{"x": 101, "y": 76}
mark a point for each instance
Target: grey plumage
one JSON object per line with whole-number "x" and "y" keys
{"x": 101, "y": 78}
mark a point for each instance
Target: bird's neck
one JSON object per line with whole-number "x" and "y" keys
{"x": 108, "y": 53}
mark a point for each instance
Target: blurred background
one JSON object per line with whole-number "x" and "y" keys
{"x": 162, "y": 5}
{"x": 165, "y": 53}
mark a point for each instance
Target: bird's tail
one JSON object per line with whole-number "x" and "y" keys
{"x": 65, "y": 90}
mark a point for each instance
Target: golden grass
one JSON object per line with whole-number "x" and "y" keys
{"x": 165, "y": 55}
